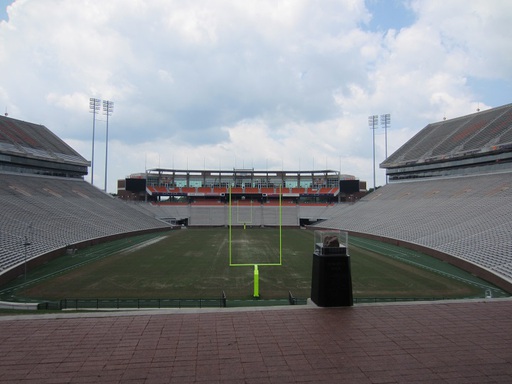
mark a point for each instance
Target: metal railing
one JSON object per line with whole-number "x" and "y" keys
{"x": 121, "y": 303}
{"x": 222, "y": 302}
{"x": 134, "y": 303}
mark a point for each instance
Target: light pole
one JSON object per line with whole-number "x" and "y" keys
{"x": 94, "y": 107}
{"x": 108, "y": 108}
{"x": 385, "y": 120}
{"x": 373, "y": 122}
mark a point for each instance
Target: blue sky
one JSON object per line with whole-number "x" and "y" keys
{"x": 389, "y": 14}
{"x": 3, "y": 8}
{"x": 265, "y": 84}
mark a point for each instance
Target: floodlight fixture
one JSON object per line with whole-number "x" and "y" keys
{"x": 94, "y": 107}
{"x": 373, "y": 121}
{"x": 108, "y": 109}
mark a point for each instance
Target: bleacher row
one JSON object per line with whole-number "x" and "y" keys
{"x": 51, "y": 213}
{"x": 466, "y": 217}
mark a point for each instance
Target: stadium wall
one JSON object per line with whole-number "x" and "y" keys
{"x": 257, "y": 215}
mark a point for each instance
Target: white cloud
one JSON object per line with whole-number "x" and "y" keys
{"x": 478, "y": 31}
{"x": 266, "y": 84}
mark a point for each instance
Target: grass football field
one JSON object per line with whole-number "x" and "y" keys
{"x": 194, "y": 264}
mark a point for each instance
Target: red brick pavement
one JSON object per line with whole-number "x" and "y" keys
{"x": 464, "y": 342}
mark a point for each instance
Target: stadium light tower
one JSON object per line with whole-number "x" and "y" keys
{"x": 94, "y": 107}
{"x": 385, "y": 121}
{"x": 108, "y": 108}
{"x": 373, "y": 122}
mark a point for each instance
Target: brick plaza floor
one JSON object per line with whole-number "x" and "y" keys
{"x": 455, "y": 342}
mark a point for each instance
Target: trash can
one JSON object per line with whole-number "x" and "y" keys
{"x": 331, "y": 282}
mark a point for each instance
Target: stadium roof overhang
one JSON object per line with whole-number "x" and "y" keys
{"x": 480, "y": 155}
{"x": 42, "y": 165}
{"x": 478, "y": 142}
{"x": 34, "y": 148}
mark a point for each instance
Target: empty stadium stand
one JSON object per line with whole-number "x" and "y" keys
{"x": 465, "y": 217}
{"x": 49, "y": 214}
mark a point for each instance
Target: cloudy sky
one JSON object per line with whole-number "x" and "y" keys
{"x": 250, "y": 84}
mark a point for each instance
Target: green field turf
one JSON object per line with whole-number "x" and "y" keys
{"x": 194, "y": 264}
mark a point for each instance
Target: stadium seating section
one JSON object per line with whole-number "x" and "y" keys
{"x": 466, "y": 217}
{"x": 52, "y": 213}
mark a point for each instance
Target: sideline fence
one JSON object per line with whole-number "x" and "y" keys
{"x": 222, "y": 302}
{"x": 119, "y": 303}
{"x": 124, "y": 303}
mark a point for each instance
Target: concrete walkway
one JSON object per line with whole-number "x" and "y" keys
{"x": 457, "y": 342}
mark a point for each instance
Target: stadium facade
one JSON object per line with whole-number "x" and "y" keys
{"x": 207, "y": 186}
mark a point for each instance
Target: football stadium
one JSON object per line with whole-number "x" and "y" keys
{"x": 205, "y": 275}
